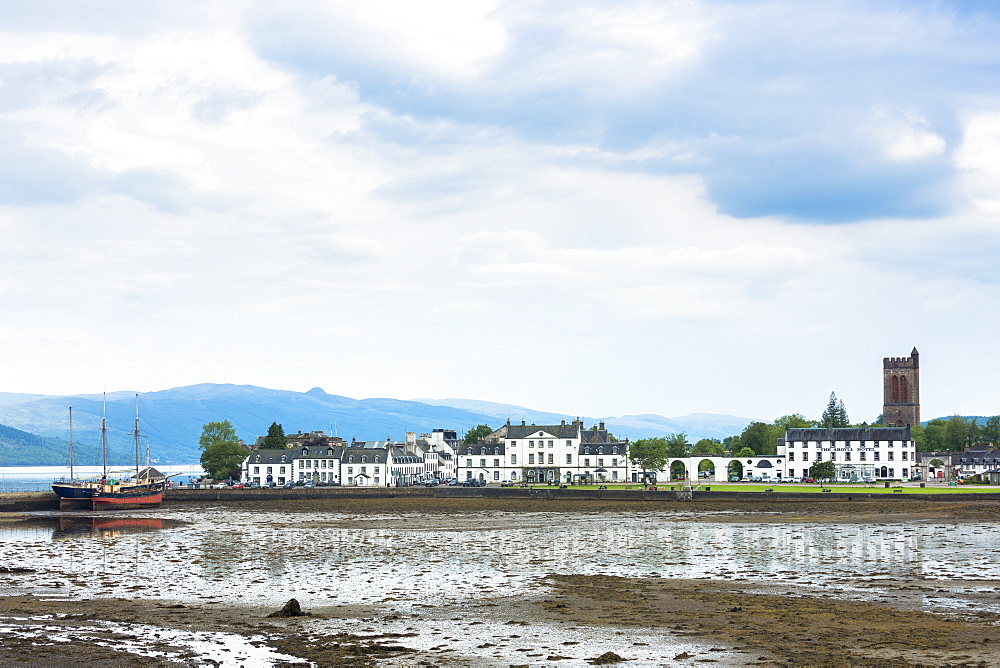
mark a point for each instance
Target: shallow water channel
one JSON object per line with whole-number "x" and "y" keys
{"x": 410, "y": 564}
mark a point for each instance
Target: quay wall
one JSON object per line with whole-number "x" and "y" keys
{"x": 28, "y": 501}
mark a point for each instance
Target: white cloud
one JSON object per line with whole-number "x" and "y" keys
{"x": 389, "y": 203}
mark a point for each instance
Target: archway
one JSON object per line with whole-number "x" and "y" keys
{"x": 736, "y": 469}
{"x": 678, "y": 471}
{"x": 706, "y": 468}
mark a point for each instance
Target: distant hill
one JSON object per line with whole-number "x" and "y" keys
{"x": 172, "y": 420}
{"x": 21, "y": 448}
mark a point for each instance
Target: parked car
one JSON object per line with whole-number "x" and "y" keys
{"x": 288, "y": 485}
{"x": 238, "y": 485}
{"x": 506, "y": 483}
{"x": 452, "y": 482}
{"x": 734, "y": 478}
{"x": 756, "y": 478}
{"x": 431, "y": 483}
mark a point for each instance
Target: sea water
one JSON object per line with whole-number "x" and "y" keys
{"x": 40, "y": 478}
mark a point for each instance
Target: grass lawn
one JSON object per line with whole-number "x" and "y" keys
{"x": 878, "y": 488}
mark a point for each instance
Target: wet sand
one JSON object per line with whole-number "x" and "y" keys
{"x": 728, "y": 622}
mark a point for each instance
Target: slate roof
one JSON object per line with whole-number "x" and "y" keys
{"x": 548, "y": 431}
{"x": 848, "y": 434}
{"x": 484, "y": 449}
{"x": 272, "y": 456}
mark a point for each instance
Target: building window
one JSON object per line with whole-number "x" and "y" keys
{"x": 906, "y": 473}
{"x": 301, "y": 463}
{"x": 468, "y": 462}
{"x": 531, "y": 457}
{"x": 350, "y": 470}
{"x": 496, "y": 475}
{"x": 890, "y": 456}
{"x": 847, "y": 456}
{"x": 281, "y": 470}
{"x": 569, "y": 444}
{"x": 531, "y": 444}
{"x": 256, "y": 470}
{"x": 791, "y": 456}
{"x": 904, "y": 455}
{"x": 586, "y": 461}
{"x": 569, "y": 458}
{"x": 513, "y": 459}
{"x": 482, "y": 463}
{"x": 833, "y": 456}
{"x": 791, "y": 473}
{"x": 861, "y": 455}
{"x": 614, "y": 475}
{"x": 805, "y": 456}
{"x": 600, "y": 461}
{"x": 614, "y": 461}
{"x": 496, "y": 463}
{"x": 309, "y": 463}
{"x": 551, "y": 458}
{"x": 875, "y": 455}
{"x": 550, "y": 444}
{"x": 892, "y": 473}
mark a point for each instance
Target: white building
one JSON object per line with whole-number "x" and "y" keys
{"x": 880, "y": 453}
{"x": 561, "y": 453}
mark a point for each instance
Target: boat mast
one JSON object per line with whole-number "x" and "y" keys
{"x": 71, "y": 476}
{"x": 104, "y": 438}
{"x": 136, "y": 432}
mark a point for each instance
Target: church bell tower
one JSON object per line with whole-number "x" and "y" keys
{"x": 901, "y": 390}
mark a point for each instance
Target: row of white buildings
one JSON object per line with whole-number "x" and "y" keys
{"x": 564, "y": 454}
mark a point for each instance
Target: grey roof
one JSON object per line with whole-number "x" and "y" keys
{"x": 484, "y": 449}
{"x": 531, "y": 430}
{"x": 272, "y": 456}
{"x": 848, "y": 434}
{"x": 613, "y": 448}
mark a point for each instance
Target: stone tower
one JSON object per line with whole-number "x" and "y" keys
{"x": 901, "y": 390}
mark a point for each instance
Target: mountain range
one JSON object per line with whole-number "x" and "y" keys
{"x": 171, "y": 420}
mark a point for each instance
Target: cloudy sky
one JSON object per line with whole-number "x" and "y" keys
{"x": 588, "y": 207}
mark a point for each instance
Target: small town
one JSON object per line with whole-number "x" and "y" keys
{"x": 570, "y": 453}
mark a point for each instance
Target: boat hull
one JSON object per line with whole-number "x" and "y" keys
{"x": 145, "y": 496}
{"x": 74, "y": 495}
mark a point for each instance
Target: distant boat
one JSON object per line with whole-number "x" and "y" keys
{"x": 143, "y": 490}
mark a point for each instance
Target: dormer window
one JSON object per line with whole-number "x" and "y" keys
{"x": 305, "y": 451}
{"x": 363, "y": 459}
{"x": 284, "y": 458}
{"x": 329, "y": 452}
{"x": 586, "y": 450}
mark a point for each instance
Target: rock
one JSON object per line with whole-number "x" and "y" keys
{"x": 290, "y": 609}
{"x": 682, "y": 656}
{"x": 605, "y": 659}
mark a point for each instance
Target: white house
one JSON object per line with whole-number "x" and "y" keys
{"x": 880, "y": 453}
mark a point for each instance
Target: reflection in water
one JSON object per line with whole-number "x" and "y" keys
{"x": 268, "y": 557}
{"x": 77, "y": 526}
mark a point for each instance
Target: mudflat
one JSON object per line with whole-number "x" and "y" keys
{"x": 556, "y": 617}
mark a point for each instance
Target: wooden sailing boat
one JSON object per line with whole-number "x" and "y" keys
{"x": 139, "y": 492}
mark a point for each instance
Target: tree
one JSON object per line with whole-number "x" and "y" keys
{"x": 478, "y": 432}
{"x": 650, "y": 454}
{"x": 745, "y": 452}
{"x": 221, "y": 451}
{"x": 959, "y": 432}
{"x": 275, "y": 439}
{"x": 821, "y": 470}
{"x": 762, "y": 438}
{"x": 708, "y": 446}
{"x": 991, "y": 430}
{"x": 835, "y": 414}
{"x": 794, "y": 421}
{"x": 677, "y": 445}
{"x": 929, "y": 438}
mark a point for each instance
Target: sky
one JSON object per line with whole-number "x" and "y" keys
{"x": 588, "y": 207}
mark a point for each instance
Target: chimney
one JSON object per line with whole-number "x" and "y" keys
{"x": 601, "y": 423}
